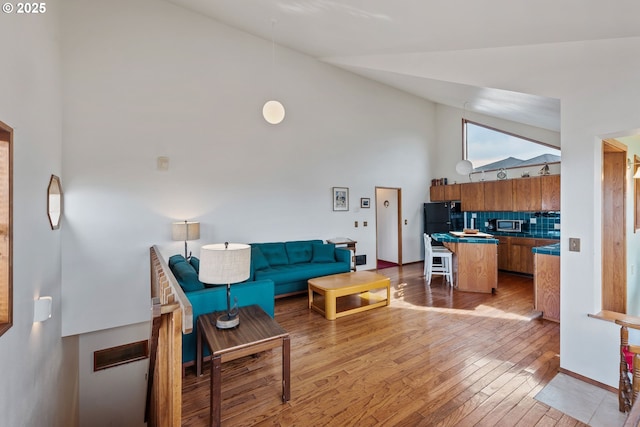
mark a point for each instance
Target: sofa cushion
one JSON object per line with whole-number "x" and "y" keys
{"x": 186, "y": 276}
{"x": 323, "y": 253}
{"x": 258, "y": 260}
{"x": 299, "y": 272}
{"x": 275, "y": 253}
{"x": 175, "y": 259}
{"x": 299, "y": 251}
{"x": 195, "y": 262}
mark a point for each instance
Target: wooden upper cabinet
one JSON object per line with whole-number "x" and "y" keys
{"x": 472, "y": 196}
{"x": 452, "y": 192}
{"x": 527, "y": 194}
{"x": 436, "y": 193}
{"x": 498, "y": 195}
{"x": 444, "y": 193}
{"x": 550, "y": 192}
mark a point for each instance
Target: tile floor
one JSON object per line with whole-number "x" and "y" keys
{"x": 585, "y": 402}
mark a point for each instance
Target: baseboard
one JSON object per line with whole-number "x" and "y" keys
{"x": 588, "y": 380}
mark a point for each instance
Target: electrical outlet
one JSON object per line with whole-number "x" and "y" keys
{"x": 533, "y": 221}
{"x": 556, "y": 226}
{"x": 474, "y": 215}
{"x": 574, "y": 244}
{"x": 364, "y": 223}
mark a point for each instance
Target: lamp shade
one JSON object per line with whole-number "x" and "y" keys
{"x": 224, "y": 263}
{"x": 185, "y": 231}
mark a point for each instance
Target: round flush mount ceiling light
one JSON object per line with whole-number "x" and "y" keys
{"x": 273, "y": 112}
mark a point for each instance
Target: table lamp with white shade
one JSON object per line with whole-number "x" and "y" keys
{"x": 224, "y": 264}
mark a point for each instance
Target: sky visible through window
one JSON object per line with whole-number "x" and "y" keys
{"x": 487, "y": 146}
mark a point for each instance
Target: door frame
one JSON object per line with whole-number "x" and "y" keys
{"x": 614, "y": 233}
{"x": 399, "y": 225}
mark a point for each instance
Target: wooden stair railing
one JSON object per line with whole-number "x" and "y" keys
{"x": 172, "y": 316}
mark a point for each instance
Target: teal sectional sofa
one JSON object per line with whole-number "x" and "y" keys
{"x": 290, "y": 264}
{"x": 277, "y": 269}
{"x": 206, "y": 298}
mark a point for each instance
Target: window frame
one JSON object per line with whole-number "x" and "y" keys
{"x": 6, "y": 289}
{"x": 515, "y": 135}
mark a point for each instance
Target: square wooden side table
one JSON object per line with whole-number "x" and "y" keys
{"x": 256, "y": 332}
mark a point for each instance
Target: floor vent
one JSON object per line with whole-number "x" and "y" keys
{"x": 114, "y": 356}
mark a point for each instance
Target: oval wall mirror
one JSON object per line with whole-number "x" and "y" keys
{"x": 54, "y": 202}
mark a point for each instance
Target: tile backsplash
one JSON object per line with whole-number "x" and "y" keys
{"x": 538, "y": 224}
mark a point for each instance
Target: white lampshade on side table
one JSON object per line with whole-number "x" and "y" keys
{"x": 224, "y": 264}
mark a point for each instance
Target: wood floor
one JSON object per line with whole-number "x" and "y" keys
{"x": 434, "y": 357}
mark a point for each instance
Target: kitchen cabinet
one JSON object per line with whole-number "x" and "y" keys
{"x": 521, "y": 254}
{"x": 515, "y": 253}
{"x": 546, "y": 281}
{"x": 451, "y": 192}
{"x": 533, "y": 194}
{"x": 436, "y": 193}
{"x": 527, "y": 194}
{"x": 498, "y": 195}
{"x": 472, "y": 196}
{"x": 444, "y": 193}
{"x": 503, "y": 252}
{"x": 550, "y": 192}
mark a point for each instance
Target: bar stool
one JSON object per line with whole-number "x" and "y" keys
{"x": 437, "y": 260}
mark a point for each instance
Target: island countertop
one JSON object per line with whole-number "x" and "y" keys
{"x": 446, "y": 237}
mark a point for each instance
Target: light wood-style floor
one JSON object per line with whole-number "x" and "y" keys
{"x": 434, "y": 357}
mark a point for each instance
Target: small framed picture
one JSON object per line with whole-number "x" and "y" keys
{"x": 340, "y": 199}
{"x": 364, "y": 202}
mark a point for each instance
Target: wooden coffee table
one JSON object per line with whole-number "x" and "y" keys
{"x": 256, "y": 332}
{"x": 345, "y": 284}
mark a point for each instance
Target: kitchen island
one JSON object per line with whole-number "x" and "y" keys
{"x": 475, "y": 261}
{"x": 546, "y": 281}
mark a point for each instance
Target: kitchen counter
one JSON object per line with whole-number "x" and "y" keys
{"x": 446, "y": 237}
{"x": 553, "y": 249}
{"x": 551, "y": 235}
{"x": 475, "y": 262}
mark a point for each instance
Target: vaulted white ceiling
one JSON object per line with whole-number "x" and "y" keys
{"x": 386, "y": 40}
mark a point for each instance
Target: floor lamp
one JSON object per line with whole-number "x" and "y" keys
{"x": 185, "y": 230}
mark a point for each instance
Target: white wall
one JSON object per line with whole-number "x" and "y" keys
{"x": 38, "y": 368}
{"x": 144, "y": 79}
{"x": 114, "y": 396}
{"x": 161, "y": 81}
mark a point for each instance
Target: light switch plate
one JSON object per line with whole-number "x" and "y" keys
{"x": 574, "y": 244}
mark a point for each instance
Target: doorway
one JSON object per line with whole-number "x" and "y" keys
{"x": 388, "y": 227}
{"x": 614, "y": 237}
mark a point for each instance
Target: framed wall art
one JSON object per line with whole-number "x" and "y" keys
{"x": 365, "y": 202}
{"x": 340, "y": 198}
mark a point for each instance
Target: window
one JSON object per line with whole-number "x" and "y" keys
{"x": 491, "y": 149}
{"x": 6, "y": 231}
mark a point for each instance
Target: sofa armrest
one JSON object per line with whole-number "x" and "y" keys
{"x": 260, "y": 292}
{"x": 343, "y": 255}
{"x": 208, "y": 300}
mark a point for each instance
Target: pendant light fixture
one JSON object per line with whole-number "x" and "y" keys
{"x": 273, "y": 111}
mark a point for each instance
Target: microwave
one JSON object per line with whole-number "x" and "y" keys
{"x": 509, "y": 225}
